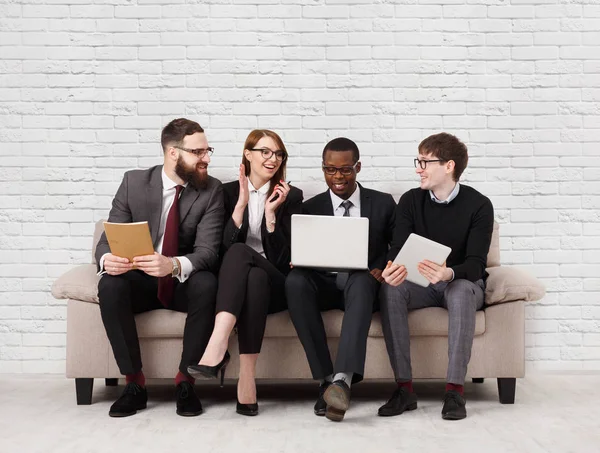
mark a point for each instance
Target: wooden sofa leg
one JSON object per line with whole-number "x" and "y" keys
{"x": 477, "y": 380}
{"x": 111, "y": 382}
{"x": 506, "y": 390}
{"x": 83, "y": 390}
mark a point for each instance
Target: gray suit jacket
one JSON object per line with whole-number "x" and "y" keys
{"x": 201, "y": 213}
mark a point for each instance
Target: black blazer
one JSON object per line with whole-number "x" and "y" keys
{"x": 378, "y": 207}
{"x": 276, "y": 245}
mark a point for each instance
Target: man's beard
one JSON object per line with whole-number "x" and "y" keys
{"x": 191, "y": 175}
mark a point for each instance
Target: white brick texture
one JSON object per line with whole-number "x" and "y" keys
{"x": 86, "y": 85}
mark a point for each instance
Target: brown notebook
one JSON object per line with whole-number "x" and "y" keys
{"x": 129, "y": 239}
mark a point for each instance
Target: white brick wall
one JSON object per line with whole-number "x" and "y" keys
{"x": 85, "y": 87}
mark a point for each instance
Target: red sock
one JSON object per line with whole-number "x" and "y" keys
{"x": 138, "y": 378}
{"x": 182, "y": 377}
{"x": 459, "y": 388}
{"x": 407, "y": 385}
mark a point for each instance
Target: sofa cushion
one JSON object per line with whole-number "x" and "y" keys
{"x": 79, "y": 283}
{"x": 98, "y": 230}
{"x": 509, "y": 284}
{"x": 493, "y": 258}
{"x": 425, "y": 322}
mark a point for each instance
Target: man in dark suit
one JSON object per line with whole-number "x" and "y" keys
{"x": 183, "y": 206}
{"x": 311, "y": 291}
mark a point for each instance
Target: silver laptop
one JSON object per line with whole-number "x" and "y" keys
{"x": 330, "y": 243}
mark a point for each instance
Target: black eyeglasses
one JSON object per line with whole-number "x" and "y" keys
{"x": 423, "y": 162}
{"x": 266, "y": 153}
{"x": 199, "y": 152}
{"x": 345, "y": 171}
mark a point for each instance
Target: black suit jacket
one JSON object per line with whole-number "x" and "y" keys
{"x": 277, "y": 245}
{"x": 139, "y": 198}
{"x": 378, "y": 207}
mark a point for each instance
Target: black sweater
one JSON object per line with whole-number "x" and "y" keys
{"x": 465, "y": 225}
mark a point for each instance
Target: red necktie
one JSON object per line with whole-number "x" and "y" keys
{"x": 170, "y": 247}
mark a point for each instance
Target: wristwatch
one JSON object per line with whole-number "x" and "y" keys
{"x": 176, "y": 269}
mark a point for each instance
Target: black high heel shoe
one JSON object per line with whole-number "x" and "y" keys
{"x": 247, "y": 409}
{"x": 210, "y": 372}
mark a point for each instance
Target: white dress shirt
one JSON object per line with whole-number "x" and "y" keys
{"x": 451, "y": 197}
{"x": 338, "y": 209}
{"x": 256, "y": 212}
{"x": 168, "y": 196}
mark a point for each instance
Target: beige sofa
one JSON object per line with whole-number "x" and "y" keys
{"x": 498, "y": 347}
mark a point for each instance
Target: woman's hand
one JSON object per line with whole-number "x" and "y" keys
{"x": 243, "y": 198}
{"x": 277, "y": 198}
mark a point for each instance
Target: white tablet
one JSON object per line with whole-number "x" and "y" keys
{"x": 417, "y": 249}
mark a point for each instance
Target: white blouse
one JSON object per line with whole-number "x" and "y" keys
{"x": 256, "y": 212}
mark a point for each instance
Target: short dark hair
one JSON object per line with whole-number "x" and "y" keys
{"x": 342, "y": 144}
{"x": 176, "y": 130}
{"x": 446, "y": 147}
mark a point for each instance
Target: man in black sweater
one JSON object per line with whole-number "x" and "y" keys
{"x": 461, "y": 218}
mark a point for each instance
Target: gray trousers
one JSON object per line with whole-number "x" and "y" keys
{"x": 461, "y": 298}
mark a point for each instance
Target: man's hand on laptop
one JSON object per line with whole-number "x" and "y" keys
{"x": 376, "y": 273}
{"x": 434, "y": 272}
{"x": 394, "y": 274}
{"x": 116, "y": 265}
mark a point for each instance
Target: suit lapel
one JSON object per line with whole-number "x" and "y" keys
{"x": 186, "y": 200}
{"x": 154, "y": 202}
{"x": 325, "y": 204}
{"x": 365, "y": 203}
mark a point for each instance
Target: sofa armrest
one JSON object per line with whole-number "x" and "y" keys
{"x": 80, "y": 283}
{"x": 509, "y": 284}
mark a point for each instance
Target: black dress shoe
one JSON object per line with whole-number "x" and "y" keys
{"x": 210, "y": 372}
{"x": 188, "y": 404}
{"x": 337, "y": 397}
{"x": 321, "y": 405}
{"x": 455, "y": 406}
{"x": 133, "y": 398}
{"x": 402, "y": 400}
{"x": 247, "y": 409}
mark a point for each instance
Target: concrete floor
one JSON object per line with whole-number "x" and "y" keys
{"x": 553, "y": 413}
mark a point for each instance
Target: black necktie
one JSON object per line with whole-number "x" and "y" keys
{"x": 342, "y": 277}
{"x": 347, "y": 204}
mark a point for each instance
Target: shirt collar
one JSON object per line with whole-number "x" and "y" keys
{"x": 168, "y": 183}
{"x": 451, "y": 197}
{"x": 354, "y": 198}
{"x": 263, "y": 190}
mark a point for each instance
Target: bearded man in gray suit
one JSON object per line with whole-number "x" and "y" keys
{"x": 183, "y": 206}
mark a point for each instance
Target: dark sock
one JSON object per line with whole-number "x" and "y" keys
{"x": 407, "y": 385}
{"x": 182, "y": 377}
{"x": 138, "y": 378}
{"x": 459, "y": 388}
